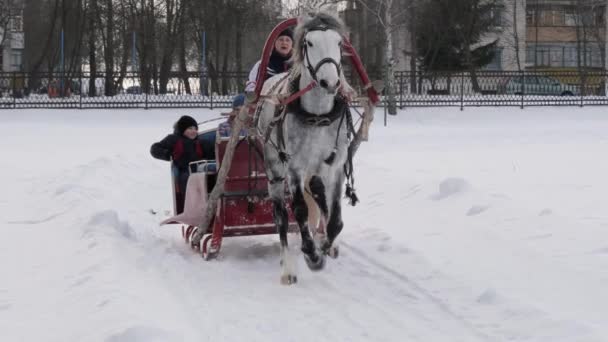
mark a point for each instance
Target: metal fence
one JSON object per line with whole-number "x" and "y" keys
{"x": 202, "y": 90}
{"x": 502, "y": 88}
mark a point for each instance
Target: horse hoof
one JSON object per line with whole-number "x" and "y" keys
{"x": 333, "y": 252}
{"x": 315, "y": 265}
{"x": 288, "y": 279}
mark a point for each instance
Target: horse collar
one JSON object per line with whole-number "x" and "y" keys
{"x": 295, "y": 107}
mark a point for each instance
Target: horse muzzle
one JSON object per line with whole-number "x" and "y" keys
{"x": 331, "y": 87}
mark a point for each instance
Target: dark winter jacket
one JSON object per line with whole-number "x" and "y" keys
{"x": 277, "y": 64}
{"x": 181, "y": 149}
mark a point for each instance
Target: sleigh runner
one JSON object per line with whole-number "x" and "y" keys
{"x": 233, "y": 190}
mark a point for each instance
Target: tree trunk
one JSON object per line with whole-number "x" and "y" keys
{"x": 165, "y": 70}
{"x": 213, "y": 74}
{"x": 536, "y": 25}
{"x": 239, "y": 49}
{"x": 109, "y": 49}
{"x": 182, "y": 64}
{"x": 225, "y": 78}
{"x": 414, "y": 51}
{"x": 516, "y": 35}
{"x": 124, "y": 61}
{"x": 168, "y": 44}
{"x": 92, "y": 47}
{"x": 47, "y": 45}
{"x": 389, "y": 59}
{"x": 471, "y": 67}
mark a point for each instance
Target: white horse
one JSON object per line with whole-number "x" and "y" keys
{"x": 306, "y": 142}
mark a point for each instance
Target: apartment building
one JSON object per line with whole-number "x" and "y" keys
{"x": 11, "y": 37}
{"x": 566, "y": 34}
{"x": 530, "y": 34}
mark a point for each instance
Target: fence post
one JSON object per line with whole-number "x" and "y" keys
{"x": 14, "y": 90}
{"x": 523, "y": 81}
{"x": 211, "y": 100}
{"x": 80, "y": 86}
{"x": 202, "y": 90}
{"x": 385, "y": 115}
{"x": 402, "y": 90}
{"x": 605, "y": 78}
{"x": 582, "y": 91}
{"x": 461, "y": 91}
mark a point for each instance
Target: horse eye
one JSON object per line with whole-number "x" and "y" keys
{"x": 309, "y": 43}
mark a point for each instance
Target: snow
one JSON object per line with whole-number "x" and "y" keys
{"x": 487, "y": 224}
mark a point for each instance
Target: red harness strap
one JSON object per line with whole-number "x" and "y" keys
{"x": 301, "y": 92}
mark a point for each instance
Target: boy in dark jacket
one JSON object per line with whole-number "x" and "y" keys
{"x": 182, "y": 147}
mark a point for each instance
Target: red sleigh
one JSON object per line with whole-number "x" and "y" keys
{"x": 244, "y": 208}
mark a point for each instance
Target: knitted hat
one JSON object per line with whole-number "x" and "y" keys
{"x": 238, "y": 101}
{"x": 287, "y": 32}
{"x": 184, "y": 123}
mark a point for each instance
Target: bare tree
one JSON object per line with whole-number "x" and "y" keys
{"x": 5, "y": 16}
{"x": 515, "y": 13}
{"x": 301, "y": 7}
{"x": 99, "y": 36}
{"x": 390, "y": 15}
{"x": 597, "y": 29}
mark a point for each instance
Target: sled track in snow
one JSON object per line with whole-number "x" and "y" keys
{"x": 402, "y": 278}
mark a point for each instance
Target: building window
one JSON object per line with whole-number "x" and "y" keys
{"x": 553, "y": 17}
{"x": 496, "y": 63}
{"x": 600, "y": 17}
{"x": 559, "y": 18}
{"x": 546, "y": 18}
{"x": 15, "y": 60}
{"x": 496, "y": 17}
{"x": 566, "y": 16}
{"x": 570, "y": 18}
{"x": 565, "y": 55}
{"x": 570, "y": 56}
{"x": 530, "y": 17}
{"x": 16, "y": 24}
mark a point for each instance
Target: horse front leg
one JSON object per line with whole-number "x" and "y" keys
{"x": 317, "y": 204}
{"x": 335, "y": 223}
{"x": 314, "y": 258}
{"x": 281, "y": 221}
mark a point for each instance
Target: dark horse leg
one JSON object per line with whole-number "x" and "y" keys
{"x": 314, "y": 259}
{"x": 317, "y": 188}
{"x": 281, "y": 221}
{"x": 276, "y": 190}
{"x": 335, "y": 224}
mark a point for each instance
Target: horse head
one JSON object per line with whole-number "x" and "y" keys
{"x": 318, "y": 49}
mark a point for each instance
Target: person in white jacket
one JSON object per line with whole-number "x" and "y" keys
{"x": 279, "y": 60}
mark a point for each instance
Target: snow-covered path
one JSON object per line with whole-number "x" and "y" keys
{"x": 482, "y": 225}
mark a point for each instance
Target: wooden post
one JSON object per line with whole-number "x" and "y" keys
{"x": 218, "y": 190}
{"x": 363, "y": 131}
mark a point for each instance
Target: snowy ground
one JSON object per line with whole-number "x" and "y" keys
{"x": 482, "y": 225}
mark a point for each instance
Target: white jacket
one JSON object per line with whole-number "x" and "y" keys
{"x": 253, "y": 75}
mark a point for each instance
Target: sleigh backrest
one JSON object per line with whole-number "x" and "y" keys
{"x": 246, "y": 174}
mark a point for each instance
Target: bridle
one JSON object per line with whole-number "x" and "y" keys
{"x": 313, "y": 70}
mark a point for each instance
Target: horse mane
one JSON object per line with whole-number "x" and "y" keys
{"x": 310, "y": 22}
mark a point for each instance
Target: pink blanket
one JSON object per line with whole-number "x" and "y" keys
{"x": 195, "y": 202}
